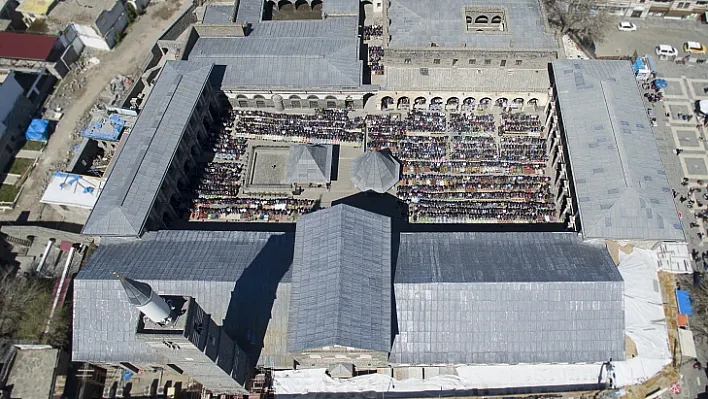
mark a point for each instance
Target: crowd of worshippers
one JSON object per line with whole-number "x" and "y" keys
{"x": 413, "y": 147}
{"x": 512, "y": 122}
{"x": 371, "y": 31}
{"x": 227, "y": 147}
{"x": 250, "y": 209}
{"x": 471, "y": 123}
{"x": 217, "y": 180}
{"x": 426, "y": 211}
{"x": 328, "y": 125}
{"x": 397, "y": 126}
{"x": 376, "y": 54}
{"x": 475, "y": 188}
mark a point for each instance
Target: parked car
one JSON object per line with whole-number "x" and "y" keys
{"x": 694, "y": 47}
{"x": 666, "y": 50}
{"x": 625, "y": 26}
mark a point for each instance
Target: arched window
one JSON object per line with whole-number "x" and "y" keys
{"x": 482, "y": 19}
{"x": 285, "y": 5}
{"x": 468, "y": 19}
{"x": 496, "y": 19}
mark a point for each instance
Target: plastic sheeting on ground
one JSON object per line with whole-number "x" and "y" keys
{"x": 645, "y": 324}
{"x": 684, "y": 302}
{"x": 38, "y": 130}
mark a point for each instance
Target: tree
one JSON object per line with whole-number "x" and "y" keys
{"x": 585, "y": 20}
{"x": 15, "y": 295}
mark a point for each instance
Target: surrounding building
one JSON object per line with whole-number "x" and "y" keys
{"x": 37, "y": 54}
{"x": 670, "y": 9}
{"x": 15, "y": 113}
{"x": 29, "y": 371}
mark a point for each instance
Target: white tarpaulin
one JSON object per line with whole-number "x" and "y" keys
{"x": 703, "y": 107}
{"x": 645, "y": 324}
{"x": 688, "y": 346}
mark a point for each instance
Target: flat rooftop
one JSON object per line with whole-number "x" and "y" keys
{"x": 419, "y": 23}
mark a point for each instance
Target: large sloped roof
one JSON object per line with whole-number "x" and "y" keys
{"x": 375, "y": 171}
{"x": 233, "y": 276}
{"x": 341, "y": 283}
{"x": 418, "y": 23}
{"x": 294, "y": 54}
{"x": 309, "y": 163}
{"x": 127, "y": 198}
{"x": 506, "y": 298}
{"x": 620, "y": 182}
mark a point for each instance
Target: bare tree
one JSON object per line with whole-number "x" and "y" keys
{"x": 586, "y": 20}
{"x": 15, "y": 295}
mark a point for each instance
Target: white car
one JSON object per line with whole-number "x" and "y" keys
{"x": 627, "y": 27}
{"x": 666, "y": 50}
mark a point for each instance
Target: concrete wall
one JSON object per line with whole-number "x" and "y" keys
{"x": 439, "y": 57}
{"x": 325, "y": 357}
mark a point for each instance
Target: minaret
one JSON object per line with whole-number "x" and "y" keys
{"x": 146, "y": 300}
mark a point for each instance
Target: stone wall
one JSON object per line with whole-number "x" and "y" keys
{"x": 447, "y": 57}
{"x": 227, "y": 30}
{"x": 293, "y": 100}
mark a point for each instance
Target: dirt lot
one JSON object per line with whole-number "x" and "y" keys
{"x": 123, "y": 60}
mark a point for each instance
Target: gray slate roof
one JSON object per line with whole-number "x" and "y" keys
{"x": 619, "y": 180}
{"x": 219, "y": 14}
{"x": 417, "y": 23}
{"x": 375, "y": 171}
{"x": 308, "y": 163}
{"x": 233, "y": 276}
{"x": 137, "y": 292}
{"x": 506, "y": 298}
{"x": 341, "y": 283}
{"x": 283, "y": 61}
{"x": 142, "y": 162}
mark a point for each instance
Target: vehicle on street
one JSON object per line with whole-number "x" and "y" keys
{"x": 666, "y": 50}
{"x": 694, "y": 47}
{"x": 625, "y": 26}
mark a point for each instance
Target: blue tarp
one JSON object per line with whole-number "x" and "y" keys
{"x": 105, "y": 129}
{"x": 638, "y": 64}
{"x": 38, "y": 130}
{"x": 684, "y": 302}
{"x": 661, "y": 83}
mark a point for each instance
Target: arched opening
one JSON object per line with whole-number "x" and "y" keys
{"x": 316, "y": 5}
{"x": 436, "y": 103}
{"x": 331, "y": 101}
{"x": 260, "y": 101}
{"x": 482, "y": 19}
{"x": 468, "y": 19}
{"x": 302, "y": 5}
{"x": 468, "y": 103}
{"x": 533, "y": 102}
{"x": 496, "y": 19}
{"x": 453, "y": 104}
{"x": 484, "y": 103}
{"x": 295, "y": 101}
{"x": 502, "y": 102}
{"x": 386, "y": 103}
{"x": 518, "y": 102}
{"x": 404, "y": 103}
{"x": 313, "y": 101}
{"x": 420, "y": 101}
{"x": 242, "y": 101}
{"x": 285, "y": 5}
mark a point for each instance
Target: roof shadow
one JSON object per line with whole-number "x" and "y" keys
{"x": 252, "y": 298}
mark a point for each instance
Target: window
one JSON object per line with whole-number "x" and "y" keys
{"x": 454, "y": 61}
{"x": 487, "y": 62}
{"x": 260, "y": 104}
{"x": 314, "y": 104}
{"x": 295, "y": 104}
{"x": 436, "y": 61}
{"x": 482, "y": 19}
{"x": 407, "y": 61}
{"x": 424, "y": 71}
{"x": 502, "y": 63}
{"x": 518, "y": 62}
{"x": 331, "y": 104}
{"x": 243, "y": 104}
{"x": 496, "y": 19}
{"x": 468, "y": 19}
{"x": 473, "y": 61}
